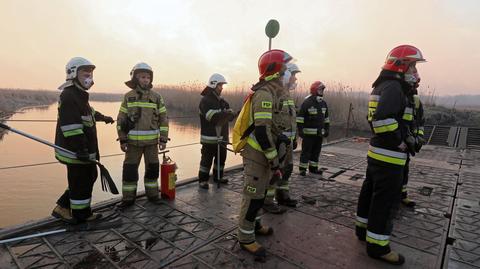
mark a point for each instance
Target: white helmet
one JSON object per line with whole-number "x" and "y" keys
{"x": 216, "y": 79}
{"x": 72, "y": 66}
{"x": 141, "y": 67}
{"x": 293, "y": 68}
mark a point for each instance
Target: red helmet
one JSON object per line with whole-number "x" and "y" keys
{"x": 400, "y": 58}
{"x": 317, "y": 85}
{"x": 272, "y": 62}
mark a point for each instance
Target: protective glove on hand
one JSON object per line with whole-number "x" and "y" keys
{"x": 124, "y": 147}
{"x": 108, "y": 120}
{"x": 162, "y": 146}
{"x": 410, "y": 141}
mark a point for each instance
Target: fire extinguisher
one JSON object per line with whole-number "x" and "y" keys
{"x": 168, "y": 177}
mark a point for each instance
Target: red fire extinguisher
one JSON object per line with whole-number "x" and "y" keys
{"x": 168, "y": 177}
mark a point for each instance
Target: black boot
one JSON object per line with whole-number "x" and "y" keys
{"x": 283, "y": 198}
{"x": 203, "y": 185}
{"x": 125, "y": 204}
{"x": 274, "y": 208}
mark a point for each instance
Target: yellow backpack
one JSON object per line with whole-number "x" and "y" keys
{"x": 243, "y": 126}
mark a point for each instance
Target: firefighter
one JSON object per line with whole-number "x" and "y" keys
{"x": 261, "y": 153}
{"x": 313, "y": 125}
{"x": 387, "y": 154}
{"x": 215, "y": 113}
{"x": 76, "y": 131}
{"x": 142, "y": 126}
{"x": 417, "y": 129}
{"x": 282, "y": 193}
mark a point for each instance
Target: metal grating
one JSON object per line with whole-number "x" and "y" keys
{"x": 473, "y": 138}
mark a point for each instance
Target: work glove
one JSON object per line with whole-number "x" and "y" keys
{"x": 410, "y": 141}
{"x": 294, "y": 144}
{"x": 162, "y": 146}
{"x": 230, "y": 114}
{"x": 326, "y": 132}
{"x": 419, "y": 143}
{"x": 108, "y": 120}
{"x": 162, "y": 143}
{"x": 124, "y": 145}
{"x": 277, "y": 175}
{"x": 83, "y": 155}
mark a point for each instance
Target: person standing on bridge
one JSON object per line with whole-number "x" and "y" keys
{"x": 313, "y": 125}
{"x": 263, "y": 150}
{"x": 142, "y": 125}
{"x": 417, "y": 120}
{"x": 215, "y": 113}
{"x": 379, "y": 197}
{"x": 287, "y": 119}
{"x": 76, "y": 131}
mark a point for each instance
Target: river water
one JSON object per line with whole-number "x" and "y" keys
{"x": 31, "y": 192}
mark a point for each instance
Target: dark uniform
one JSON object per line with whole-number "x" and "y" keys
{"x": 76, "y": 131}
{"x": 416, "y": 128}
{"x": 380, "y": 194}
{"x": 213, "y": 112}
{"x": 313, "y": 124}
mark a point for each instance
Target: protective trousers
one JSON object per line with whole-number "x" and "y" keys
{"x": 78, "y": 196}
{"x": 133, "y": 157}
{"x": 377, "y": 205}
{"x": 311, "y": 147}
{"x": 209, "y": 156}
{"x": 257, "y": 175}
{"x": 406, "y": 171}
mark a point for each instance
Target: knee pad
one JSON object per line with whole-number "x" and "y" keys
{"x": 152, "y": 170}
{"x": 255, "y": 205}
{"x": 130, "y": 172}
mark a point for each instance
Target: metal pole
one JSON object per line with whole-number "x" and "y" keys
{"x": 35, "y": 138}
{"x": 218, "y": 130}
{"x": 269, "y": 43}
{"x": 348, "y": 120}
{"x": 32, "y": 236}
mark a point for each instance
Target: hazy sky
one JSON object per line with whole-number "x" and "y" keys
{"x": 184, "y": 41}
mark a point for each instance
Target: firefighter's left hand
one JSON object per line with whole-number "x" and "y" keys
{"x": 108, "y": 120}
{"x": 162, "y": 146}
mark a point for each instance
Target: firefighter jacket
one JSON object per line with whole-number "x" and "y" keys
{"x": 287, "y": 115}
{"x": 266, "y": 107}
{"x": 76, "y": 129}
{"x": 213, "y": 113}
{"x": 414, "y": 114}
{"x": 387, "y": 112}
{"x": 142, "y": 119}
{"x": 418, "y": 128}
{"x": 313, "y": 119}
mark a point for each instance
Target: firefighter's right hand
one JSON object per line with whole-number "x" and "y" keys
{"x": 124, "y": 147}
{"x": 83, "y": 155}
{"x": 410, "y": 141}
